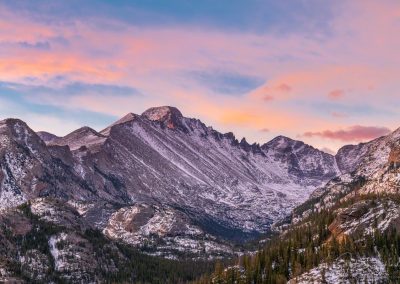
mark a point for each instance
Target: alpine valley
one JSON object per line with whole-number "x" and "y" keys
{"x": 161, "y": 198}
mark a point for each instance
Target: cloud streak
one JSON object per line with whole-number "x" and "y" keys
{"x": 336, "y": 94}
{"x": 351, "y": 134}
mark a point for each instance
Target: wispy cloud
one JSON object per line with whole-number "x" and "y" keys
{"x": 41, "y": 45}
{"x": 351, "y": 134}
{"x": 336, "y": 94}
{"x": 67, "y": 88}
{"x": 225, "y": 82}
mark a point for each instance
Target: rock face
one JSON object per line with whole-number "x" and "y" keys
{"x": 364, "y": 217}
{"x": 168, "y": 116}
{"x": 46, "y": 242}
{"x": 29, "y": 170}
{"x": 162, "y": 231}
{"x": 226, "y": 188}
{"x": 394, "y": 157}
{"x": 46, "y": 136}
{"x": 302, "y": 160}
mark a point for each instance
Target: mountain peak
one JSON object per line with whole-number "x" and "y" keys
{"x": 169, "y": 116}
{"x": 127, "y": 118}
{"x": 161, "y": 113}
{"x": 84, "y": 136}
{"x": 280, "y": 142}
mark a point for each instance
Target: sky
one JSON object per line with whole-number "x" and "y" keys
{"x": 324, "y": 72}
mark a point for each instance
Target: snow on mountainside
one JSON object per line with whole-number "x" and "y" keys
{"x": 46, "y": 136}
{"x": 364, "y": 217}
{"x": 83, "y": 137}
{"x": 28, "y": 169}
{"x": 221, "y": 186}
{"x": 302, "y": 159}
{"x": 371, "y": 168}
{"x": 346, "y": 232}
{"x": 176, "y": 157}
{"x": 363, "y": 270}
{"x": 367, "y": 158}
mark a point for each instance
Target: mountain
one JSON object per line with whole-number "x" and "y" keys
{"x": 172, "y": 178}
{"x": 366, "y": 168}
{"x": 346, "y": 232}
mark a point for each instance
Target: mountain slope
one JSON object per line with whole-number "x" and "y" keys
{"x": 47, "y": 241}
{"x": 347, "y": 232}
{"x": 367, "y": 168}
{"x": 29, "y": 170}
{"x": 163, "y": 157}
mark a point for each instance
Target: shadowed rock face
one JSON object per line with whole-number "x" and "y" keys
{"x": 364, "y": 217}
{"x": 46, "y": 136}
{"x": 29, "y": 170}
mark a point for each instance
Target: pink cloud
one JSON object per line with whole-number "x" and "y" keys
{"x": 268, "y": 98}
{"x": 352, "y": 133}
{"x": 284, "y": 88}
{"x": 336, "y": 94}
{"x": 268, "y": 93}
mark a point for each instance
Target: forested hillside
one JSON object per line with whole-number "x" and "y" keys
{"x": 315, "y": 243}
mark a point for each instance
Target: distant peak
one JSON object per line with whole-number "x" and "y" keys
{"x": 283, "y": 138}
{"x": 14, "y": 125}
{"x": 12, "y": 121}
{"x": 281, "y": 142}
{"x": 83, "y": 131}
{"x": 129, "y": 117}
{"x": 47, "y": 136}
{"x": 244, "y": 141}
{"x": 169, "y": 116}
